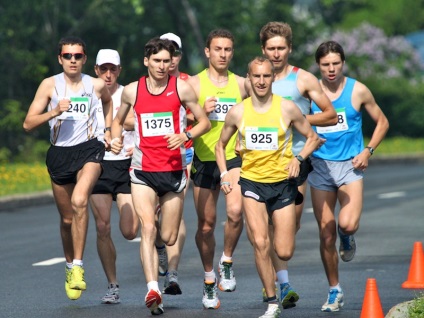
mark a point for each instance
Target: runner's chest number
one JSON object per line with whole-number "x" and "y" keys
{"x": 261, "y": 138}
{"x": 77, "y": 110}
{"x": 157, "y": 124}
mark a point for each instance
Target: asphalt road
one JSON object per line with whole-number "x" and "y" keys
{"x": 392, "y": 221}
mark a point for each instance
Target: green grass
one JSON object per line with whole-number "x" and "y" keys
{"x": 18, "y": 178}
{"x": 416, "y": 309}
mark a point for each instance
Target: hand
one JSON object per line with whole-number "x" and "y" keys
{"x": 360, "y": 161}
{"x": 62, "y": 106}
{"x": 226, "y": 184}
{"x": 117, "y": 144}
{"x": 209, "y": 105}
{"x": 175, "y": 140}
{"x": 294, "y": 168}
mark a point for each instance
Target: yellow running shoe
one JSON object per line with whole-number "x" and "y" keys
{"x": 77, "y": 278}
{"x": 72, "y": 294}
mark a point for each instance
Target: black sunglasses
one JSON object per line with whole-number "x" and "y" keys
{"x": 177, "y": 53}
{"x": 68, "y": 56}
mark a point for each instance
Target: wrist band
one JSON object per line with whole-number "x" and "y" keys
{"x": 113, "y": 140}
{"x": 225, "y": 183}
{"x": 223, "y": 174}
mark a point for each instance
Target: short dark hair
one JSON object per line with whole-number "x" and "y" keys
{"x": 273, "y": 29}
{"x": 218, "y": 33}
{"x": 329, "y": 47}
{"x": 70, "y": 40}
{"x": 155, "y": 45}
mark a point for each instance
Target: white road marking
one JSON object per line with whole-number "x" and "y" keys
{"x": 309, "y": 210}
{"x": 391, "y": 195}
{"x": 51, "y": 261}
{"x": 137, "y": 239}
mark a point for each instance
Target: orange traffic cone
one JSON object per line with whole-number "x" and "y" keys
{"x": 416, "y": 269}
{"x": 371, "y": 307}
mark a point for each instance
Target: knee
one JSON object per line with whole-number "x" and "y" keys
{"x": 129, "y": 234}
{"x": 349, "y": 229}
{"x": 328, "y": 238}
{"x": 260, "y": 244}
{"x": 149, "y": 231}
{"x": 66, "y": 223}
{"x": 79, "y": 203}
{"x": 234, "y": 214}
{"x": 284, "y": 254}
{"x": 103, "y": 229}
{"x": 205, "y": 228}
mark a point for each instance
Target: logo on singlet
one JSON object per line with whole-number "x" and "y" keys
{"x": 87, "y": 94}
{"x": 169, "y": 93}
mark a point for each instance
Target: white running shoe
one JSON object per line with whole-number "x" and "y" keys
{"x": 210, "y": 298}
{"x": 227, "y": 281}
{"x": 334, "y": 301}
{"x": 112, "y": 295}
{"x": 272, "y": 312}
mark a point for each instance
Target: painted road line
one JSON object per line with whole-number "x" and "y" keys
{"x": 391, "y": 195}
{"x": 51, "y": 261}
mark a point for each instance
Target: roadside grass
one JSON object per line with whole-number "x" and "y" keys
{"x": 416, "y": 309}
{"x": 20, "y": 178}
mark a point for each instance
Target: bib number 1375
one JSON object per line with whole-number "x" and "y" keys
{"x": 157, "y": 124}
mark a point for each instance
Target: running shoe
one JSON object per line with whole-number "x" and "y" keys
{"x": 334, "y": 301}
{"x": 171, "y": 286}
{"x": 272, "y": 312}
{"x": 347, "y": 247}
{"x": 72, "y": 294}
{"x": 163, "y": 260}
{"x": 77, "y": 278}
{"x": 288, "y": 296}
{"x": 210, "y": 298}
{"x": 153, "y": 301}
{"x": 227, "y": 281}
{"x": 112, "y": 295}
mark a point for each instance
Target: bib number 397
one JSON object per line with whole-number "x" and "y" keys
{"x": 157, "y": 124}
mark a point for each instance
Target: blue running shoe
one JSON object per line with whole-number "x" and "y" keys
{"x": 288, "y": 296}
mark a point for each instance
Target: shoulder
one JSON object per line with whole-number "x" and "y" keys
{"x": 194, "y": 81}
{"x": 306, "y": 76}
{"x": 360, "y": 89}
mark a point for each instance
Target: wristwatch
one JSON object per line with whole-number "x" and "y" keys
{"x": 371, "y": 149}
{"x": 189, "y": 136}
{"x": 300, "y": 158}
{"x": 107, "y": 129}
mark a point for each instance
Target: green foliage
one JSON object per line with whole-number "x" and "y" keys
{"x": 416, "y": 309}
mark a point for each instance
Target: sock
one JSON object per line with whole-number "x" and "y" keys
{"x": 283, "y": 276}
{"x": 336, "y": 287}
{"x": 272, "y": 300}
{"x": 160, "y": 247}
{"x": 210, "y": 276}
{"x": 153, "y": 285}
{"x": 69, "y": 265}
{"x": 77, "y": 262}
{"x": 226, "y": 258}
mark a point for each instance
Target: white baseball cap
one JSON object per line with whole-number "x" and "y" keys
{"x": 172, "y": 37}
{"x": 108, "y": 56}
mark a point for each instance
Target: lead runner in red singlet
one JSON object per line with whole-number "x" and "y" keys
{"x": 158, "y": 167}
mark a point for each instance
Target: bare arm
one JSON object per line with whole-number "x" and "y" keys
{"x": 107, "y": 104}
{"x": 309, "y": 84}
{"x": 127, "y": 101}
{"x": 36, "y": 115}
{"x": 242, "y": 83}
{"x": 292, "y": 112}
{"x": 230, "y": 127}
{"x": 189, "y": 100}
{"x": 362, "y": 96}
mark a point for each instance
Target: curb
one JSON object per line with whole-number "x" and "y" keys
{"x": 18, "y": 201}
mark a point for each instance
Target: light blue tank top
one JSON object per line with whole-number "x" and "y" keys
{"x": 287, "y": 88}
{"x": 344, "y": 140}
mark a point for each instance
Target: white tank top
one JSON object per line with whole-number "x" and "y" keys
{"x": 79, "y": 124}
{"x": 128, "y": 135}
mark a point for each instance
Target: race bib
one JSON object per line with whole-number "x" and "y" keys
{"x": 78, "y": 109}
{"x": 261, "y": 138}
{"x": 157, "y": 124}
{"x": 222, "y": 107}
{"x": 341, "y": 125}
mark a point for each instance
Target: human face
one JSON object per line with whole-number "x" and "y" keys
{"x": 261, "y": 78}
{"x": 109, "y": 73}
{"x": 220, "y": 53}
{"x": 158, "y": 64}
{"x": 72, "y": 66}
{"x": 331, "y": 67}
{"x": 175, "y": 61}
{"x": 277, "y": 50}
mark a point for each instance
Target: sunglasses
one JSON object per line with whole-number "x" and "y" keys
{"x": 68, "y": 56}
{"x": 177, "y": 53}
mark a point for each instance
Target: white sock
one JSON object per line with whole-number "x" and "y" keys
{"x": 210, "y": 276}
{"x": 77, "y": 262}
{"x": 283, "y": 276}
{"x": 336, "y": 287}
{"x": 153, "y": 285}
{"x": 225, "y": 258}
{"x": 69, "y": 265}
